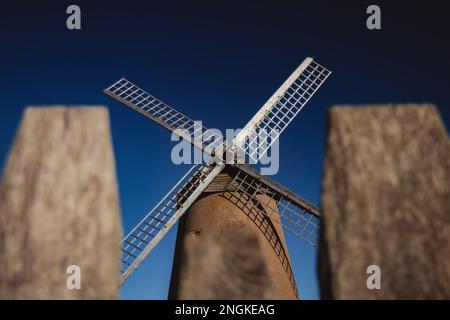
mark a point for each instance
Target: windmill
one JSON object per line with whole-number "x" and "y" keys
{"x": 244, "y": 183}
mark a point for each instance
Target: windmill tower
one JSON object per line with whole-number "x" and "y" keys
{"x": 227, "y": 201}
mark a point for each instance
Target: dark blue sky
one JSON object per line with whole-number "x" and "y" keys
{"x": 217, "y": 61}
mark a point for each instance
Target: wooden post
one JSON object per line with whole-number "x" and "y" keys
{"x": 59, "y": 208}
{"x": 386, "y": 202}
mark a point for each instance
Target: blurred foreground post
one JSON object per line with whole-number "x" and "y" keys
{"x": 386, "y": 202}
{"x": 59, "y": 210}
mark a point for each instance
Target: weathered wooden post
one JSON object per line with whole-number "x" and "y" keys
{"x": 59, "y": 208}
{"x": 386, "y": 202}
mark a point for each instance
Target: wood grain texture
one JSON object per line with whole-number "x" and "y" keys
{"x": 59, "y": 207}
{"x": 385, "y": 201}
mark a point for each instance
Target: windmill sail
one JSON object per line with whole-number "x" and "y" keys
{"x": 246, "y": 188}
{"x": 259, "y": 133}
{"x": 276, "y": 114}
{"x": 137, "y": 99}
{"x": 150, "y": 230}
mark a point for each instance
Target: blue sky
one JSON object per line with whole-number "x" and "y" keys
{"x": 216, "y": 61}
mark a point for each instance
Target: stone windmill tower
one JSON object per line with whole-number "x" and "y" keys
{"x": 230, "y": 243}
